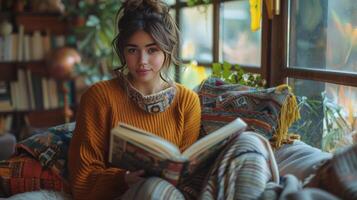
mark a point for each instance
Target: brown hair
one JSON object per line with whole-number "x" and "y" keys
{"x": 151, "y": 16}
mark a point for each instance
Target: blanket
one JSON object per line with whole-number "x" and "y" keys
{"x": 241, "y": 171}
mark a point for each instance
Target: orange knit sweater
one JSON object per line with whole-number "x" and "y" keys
{"x": 101, "y": 108}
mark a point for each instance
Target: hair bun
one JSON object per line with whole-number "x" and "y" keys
{"x": 154, "y": 5}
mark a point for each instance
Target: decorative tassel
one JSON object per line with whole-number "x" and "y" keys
{"x": 289, "y": 113}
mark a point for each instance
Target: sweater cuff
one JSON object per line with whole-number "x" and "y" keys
{"x": 121, "y": 178}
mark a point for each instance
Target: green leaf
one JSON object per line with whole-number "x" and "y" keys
{"x": 86, "y": 41}
{"x": 92, "y": 21}
{"x": 216, "y": 69}
{"x": 226, "y": 75}
{"x": 227, "y": 66}
{"x": 237, "y": 67}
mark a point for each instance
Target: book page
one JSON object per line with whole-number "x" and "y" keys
{"x": 215, "y": 137}
{"x": 148, "y": 141}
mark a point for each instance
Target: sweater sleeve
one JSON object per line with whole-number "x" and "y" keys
{"x": 192, "y": 119}
{"x": 90, "y": 177}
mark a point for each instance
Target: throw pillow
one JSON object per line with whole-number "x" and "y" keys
{"x": 22, "y": 174}
{"x": 40, "y": 162}
{"x": 268, "y": 112}
{"x": 50, "y": 147}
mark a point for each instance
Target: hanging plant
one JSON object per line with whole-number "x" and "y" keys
{"x": 236, "y": 75}
{"x": 198, "y": 2}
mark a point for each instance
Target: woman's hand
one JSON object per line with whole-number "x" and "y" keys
{"x": 133, "y": 177}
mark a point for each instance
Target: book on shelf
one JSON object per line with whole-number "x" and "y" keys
{"x": 134, "y": 149}
{"x": 5, "y": 97}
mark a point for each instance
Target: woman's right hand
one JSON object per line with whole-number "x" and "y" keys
{"x": 133, "y": 177}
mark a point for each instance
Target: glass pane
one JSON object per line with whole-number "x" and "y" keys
{"x": 238, "y": 44}
{"x": 328, "y": 114}
{"x": 170, "y": 2}
{"x": 323, "y": 35}
{"x": 196, "y": 33}
{"x": 192, "y": 75}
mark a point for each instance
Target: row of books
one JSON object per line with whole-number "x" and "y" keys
{"x": 30, "y": 92}
{"x": 28, "y": 47}
{"x": 5, "y": 123}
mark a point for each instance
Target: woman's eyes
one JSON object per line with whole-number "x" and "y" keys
{"x": 131, "y": 50}
{"x": 150, "y": 50}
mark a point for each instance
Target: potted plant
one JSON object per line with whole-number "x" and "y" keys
{"x": 94, "y": 31}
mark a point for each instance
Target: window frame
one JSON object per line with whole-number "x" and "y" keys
{"x": 278, "y": 55}
{"x": 274, "y": 66}
{"x": 216, "y": 34}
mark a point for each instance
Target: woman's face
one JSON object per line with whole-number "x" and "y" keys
{"x": 144, "y": 58}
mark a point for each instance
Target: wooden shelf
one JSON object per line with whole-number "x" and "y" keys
{"x": 46, "y": 118}
{"x": 8, "y": 70}
{"x": 40, "y": 118}
{"x": 33, "y": 111}
{"x": 53, "y": 24}
{"x": 44, "y": 22}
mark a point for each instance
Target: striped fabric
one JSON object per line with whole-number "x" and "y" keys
{"x": 153, "y": 188}
{"x": 243, "y": 170}
{"x": 339, "y": 175}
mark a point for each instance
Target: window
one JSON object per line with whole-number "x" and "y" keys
{"x": 238, "y": 44}
{"x": 322, "y": 35}
{"x": 311, "y": 45}
{"x": 216, "y": 32}
{"x": 321, "y": 64}
{"x": 196, "y": 31}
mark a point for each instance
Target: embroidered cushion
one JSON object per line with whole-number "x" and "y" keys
{"x": 50, "y": 147}
{"x": 40, "y": 162}
{"x": 22, "y": 174}
{"x": 268, "y": 112}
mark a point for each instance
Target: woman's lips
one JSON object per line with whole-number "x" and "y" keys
{"x": 142, "y": 72}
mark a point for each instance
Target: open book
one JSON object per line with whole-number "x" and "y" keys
{"x": 134, "y": 149}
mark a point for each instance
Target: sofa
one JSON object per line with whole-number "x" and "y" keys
{"x": 39, "y": 163}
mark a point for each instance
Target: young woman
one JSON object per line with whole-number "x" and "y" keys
{"x": 141, "y": 95}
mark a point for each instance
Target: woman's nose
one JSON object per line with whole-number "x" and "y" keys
{"x": 144, "y": 57}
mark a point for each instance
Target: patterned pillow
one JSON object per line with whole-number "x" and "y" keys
{"x": 50, "y": 147}
{"x": 40, "y": 162}
{"x": 268, "y": 112}
{"x": 22, "y": 174}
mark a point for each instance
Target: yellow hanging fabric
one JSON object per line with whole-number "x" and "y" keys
{"x": 255, "y": 14}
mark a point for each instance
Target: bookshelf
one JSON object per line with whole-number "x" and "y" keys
{"x": 23, "y": 69}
